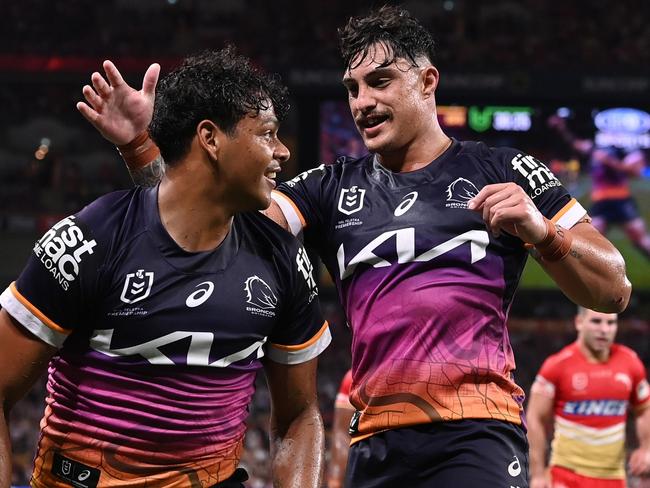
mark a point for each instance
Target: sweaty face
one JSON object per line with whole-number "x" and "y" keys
{"x": 385, "y": 100}
{"x": 597, "y": 331}
{"x": 251, "y": 159}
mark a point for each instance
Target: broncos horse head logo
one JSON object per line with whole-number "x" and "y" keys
{"x": 259, "y": 294}
{"x": 461, "y": 191}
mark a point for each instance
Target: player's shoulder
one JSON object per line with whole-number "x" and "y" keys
{"x": 626, "y": 353}
{"x": 497, "y": 161}
{"x": 108, "y": 208}
{"x": 325, "y": 173}
{"x": 265, "y": 235}
{"x": 118, "y": 215}
{"x": 562, "y": 357}
{"x": 487, "y": 153}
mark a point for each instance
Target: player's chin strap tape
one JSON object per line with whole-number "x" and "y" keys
{"x": 556, "y": 245}
{"x": 139, "y": 152}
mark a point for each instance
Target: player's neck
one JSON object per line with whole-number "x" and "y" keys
{"x": 190, "y": 210}
{"x": 417, "y": 154}
{"x": 593, "y": 356}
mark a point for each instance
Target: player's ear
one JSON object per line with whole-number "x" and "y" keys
{"x": 209, "y": 137}
{"x": 429, "y": 77}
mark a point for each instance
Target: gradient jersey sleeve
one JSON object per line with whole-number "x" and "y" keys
{"x": 301, "y": 334}
{"x": 60, "y": 281}
{"x": 426, "y": 289}
{"x": 591, "y": 403}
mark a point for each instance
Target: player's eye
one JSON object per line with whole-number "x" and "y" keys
{"x": 353, "y": 91}
{"x": 380, "y": 83}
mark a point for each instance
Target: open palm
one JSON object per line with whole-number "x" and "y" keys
{"x": 116, "y": 110}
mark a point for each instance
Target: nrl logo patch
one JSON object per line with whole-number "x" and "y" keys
{"x": 351, "y": 200}
{"x": 137, "y": 286}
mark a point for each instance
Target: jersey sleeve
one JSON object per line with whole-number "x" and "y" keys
{"x": 546, "y": 380}
{"x": 640, "y": 398}
{"x": 302, "y": 334}
{"x": 543, "y": 187}
{"x": 55, "y": 289}
{"x": 300, "y": 199}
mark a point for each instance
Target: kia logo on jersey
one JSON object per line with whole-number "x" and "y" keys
{"x": 351, "y": 200}
{"x": 137, "y": 286}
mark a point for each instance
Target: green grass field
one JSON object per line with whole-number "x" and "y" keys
{"x": 638, "y": 267}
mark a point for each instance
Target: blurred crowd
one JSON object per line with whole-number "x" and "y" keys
{"x": 281, "y": 34}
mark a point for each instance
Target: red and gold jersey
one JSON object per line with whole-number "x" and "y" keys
{"x": 343, "y": 396}
{"x": 591, "y": 402}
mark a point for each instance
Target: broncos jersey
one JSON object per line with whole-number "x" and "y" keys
{"x": 591, "y": 402}
{"x": 159, "y": 347}
{"x": 425, "y": 287}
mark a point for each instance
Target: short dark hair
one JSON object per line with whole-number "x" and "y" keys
{"x": 395, "y": 28}
{"x": 220, "y": 86}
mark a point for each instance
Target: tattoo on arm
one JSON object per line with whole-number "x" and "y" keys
{"x": 150, "y": 174}
{"x": 575, "y": 254}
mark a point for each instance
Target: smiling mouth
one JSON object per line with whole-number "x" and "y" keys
{"x": 372, "y": 121}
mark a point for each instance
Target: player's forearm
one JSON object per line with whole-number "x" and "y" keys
{"x": 5, "y": 451}
{"x": 148, "y": 175}
{"x": 143, "y": 160}
{"x": 297, "y": 451}
{"x": 643, "y": 428}
{"x": 338, "y": 461}
{"x": 592, "y": 274}
{"x": 537, "y": 445}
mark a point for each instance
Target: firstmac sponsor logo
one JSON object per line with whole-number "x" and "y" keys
{"x": 62, "y": 249}
{"x": 539, "y": 177}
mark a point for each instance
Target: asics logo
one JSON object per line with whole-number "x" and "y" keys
{"x": 201, "y": 295}
{"x": 407, "y": 202}
{"x": 514, "y": 468}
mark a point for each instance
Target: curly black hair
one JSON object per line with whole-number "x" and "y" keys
{"x": 400, "y": 33}
{"x": 220, "y": 86}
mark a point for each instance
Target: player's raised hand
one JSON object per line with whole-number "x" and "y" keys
{"x": 640, "y": 462}
{"x": 506, "y": 207}
{"x": 118, "y": 111}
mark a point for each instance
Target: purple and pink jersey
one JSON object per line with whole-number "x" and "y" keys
{"x": 425, "y": 287}
{"x": 158, "y": 347}
{"x": 608, "y": 183}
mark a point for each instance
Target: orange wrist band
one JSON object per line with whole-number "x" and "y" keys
{"x": 139, "y": 152}
{"x": 556, "y": 245}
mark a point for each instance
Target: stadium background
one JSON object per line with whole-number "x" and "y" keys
{"x": 505, "y": 67}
